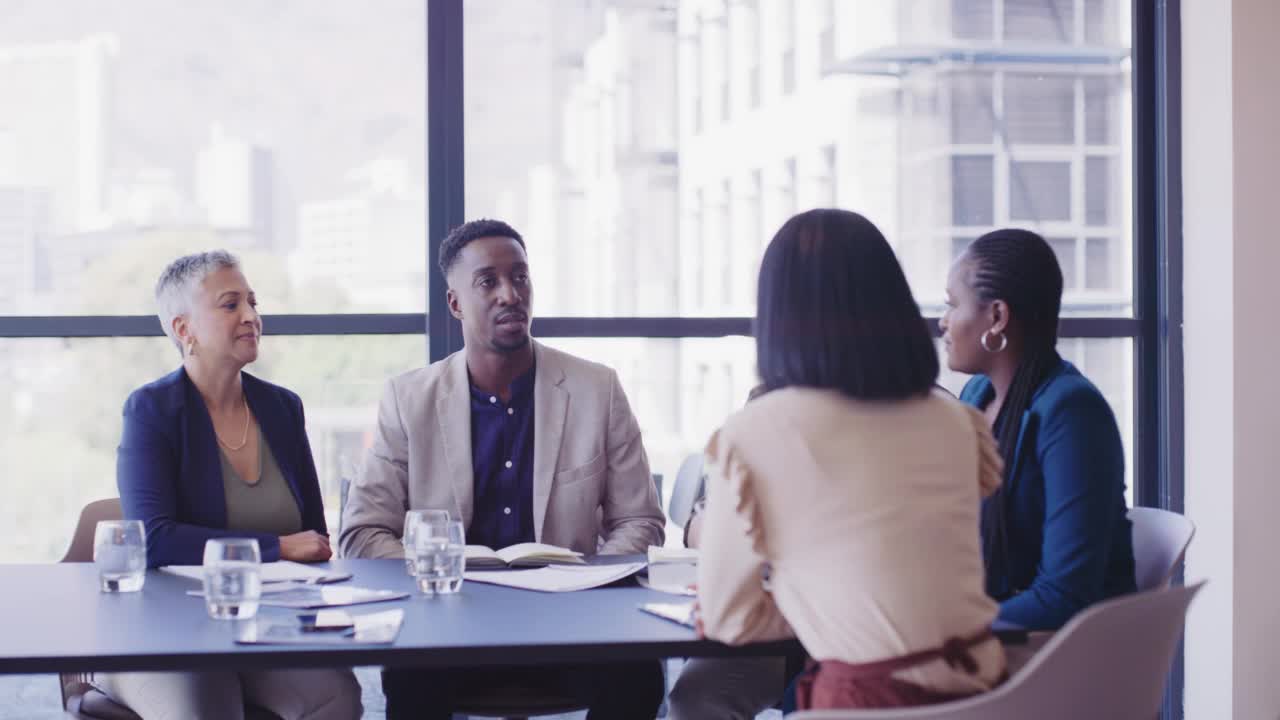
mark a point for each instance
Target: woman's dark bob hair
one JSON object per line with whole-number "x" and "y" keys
{"x": 834, "y": 311}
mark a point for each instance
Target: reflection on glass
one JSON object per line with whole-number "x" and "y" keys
{"x": 136, "y": 132}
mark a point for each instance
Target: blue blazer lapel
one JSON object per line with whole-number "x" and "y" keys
{"x": 273, "y": 417}
{"x": 1020, "y": 447}
{"x": 201, "y": 464}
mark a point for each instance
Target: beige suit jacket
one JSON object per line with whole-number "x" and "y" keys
{"x": 590, "y": 473}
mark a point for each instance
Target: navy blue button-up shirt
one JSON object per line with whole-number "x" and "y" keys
{"x": 502, "y": 460}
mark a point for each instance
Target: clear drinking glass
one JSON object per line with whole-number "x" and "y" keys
{"x": 412, "y": 519}
{"x": 232, "y": 578}
{"x": 120, "y": 553}
{"x": 441, "y": 556}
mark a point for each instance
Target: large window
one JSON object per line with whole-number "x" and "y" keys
{"x": 647, "y": 149}
{"x": 133, "y": 131}
{"x": 60, "y": 425}
{"x": 938, "y": 120}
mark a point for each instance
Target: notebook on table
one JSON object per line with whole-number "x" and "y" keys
{"x": 523, "y": 555}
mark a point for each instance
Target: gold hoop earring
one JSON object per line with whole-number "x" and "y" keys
{"x": 1004, "y": 342}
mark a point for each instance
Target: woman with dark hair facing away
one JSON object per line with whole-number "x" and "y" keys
{"x": 842, "y": 504}
{"x": 1055, "y": 536}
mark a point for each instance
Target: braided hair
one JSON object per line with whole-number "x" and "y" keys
{"x": 1020, "y": 268}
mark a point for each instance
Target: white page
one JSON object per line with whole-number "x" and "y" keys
{"x": 515, "y": 552}
{"x": 280, "y": 571}
{"x": 675, "y": 612}
{"x": 660, "y": 554}
{"x": 557, "y": 578}
{"x": 479, "y": 552}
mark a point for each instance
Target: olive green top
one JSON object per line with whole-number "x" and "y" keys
{"x": 267, "y": 506}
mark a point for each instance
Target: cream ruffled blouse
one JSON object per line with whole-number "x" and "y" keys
{"x": 865, "y": 515}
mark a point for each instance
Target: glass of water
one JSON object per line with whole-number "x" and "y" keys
{"x": 232, "y": 578}
{"x": 120, "y": 553}
{"x": 412, "y": 519}
{"x": 441, "y": 556}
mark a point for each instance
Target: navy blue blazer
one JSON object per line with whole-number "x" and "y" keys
{"x": 170, "y": 475}
{"x": 1070, "y": 540}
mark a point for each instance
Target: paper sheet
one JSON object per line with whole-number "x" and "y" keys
{"x": 280, "y": 571}
{"x": 557, "y": 578}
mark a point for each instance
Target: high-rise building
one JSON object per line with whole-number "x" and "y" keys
{"x": 24, "y": 222}
{"x": 371, "y": 242}
{"x": 1013, "y": 115}
{"x": 57, "y": 120}
{"x": 234, "y": 187}
{"x": 939, "y": 120}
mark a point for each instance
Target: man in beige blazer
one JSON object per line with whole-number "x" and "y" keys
{"x": 523, "y": 443}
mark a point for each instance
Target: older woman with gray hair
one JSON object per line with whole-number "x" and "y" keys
{"x": 209, "y": 451}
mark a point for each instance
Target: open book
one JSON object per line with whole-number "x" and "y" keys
{"x": 523, "y": 555}
{"x": 557, "y": 578}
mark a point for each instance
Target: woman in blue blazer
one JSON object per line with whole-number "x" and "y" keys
{"x": 1055, "y": 537}
{"x": 209, "y": 451}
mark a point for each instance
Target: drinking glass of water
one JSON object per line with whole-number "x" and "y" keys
{"x": 441, "y": 556}
{"x": 120, "y": 553}
{"x": 412, "y": 519}
{"x": 232, "y": 578}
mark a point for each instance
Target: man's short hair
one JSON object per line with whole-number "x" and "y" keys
{"x": 465, "y": 233}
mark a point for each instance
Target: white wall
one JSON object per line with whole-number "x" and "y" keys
{"x": 1231, "y": 154}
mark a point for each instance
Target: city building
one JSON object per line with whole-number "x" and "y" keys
{"x": 233, "y": 185}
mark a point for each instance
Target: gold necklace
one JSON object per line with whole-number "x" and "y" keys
{"x": 244, "y": 437}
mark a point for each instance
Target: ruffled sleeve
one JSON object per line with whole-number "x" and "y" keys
{"x": 722, "y": 463}
{"x": 734, "y": 604}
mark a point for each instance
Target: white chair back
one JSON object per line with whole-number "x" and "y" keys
{"x": 686, "y": 490}
{"x": 1160, "y": 540}
{"x": 1110, "y": 662}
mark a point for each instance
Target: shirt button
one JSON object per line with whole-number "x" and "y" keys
{"x": 493, "y": 399}
{"x": 508, "y": 463}
{"x": 506, "y": 511}
{"x": 511, "y": 411}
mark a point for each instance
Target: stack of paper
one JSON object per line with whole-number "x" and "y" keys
{"x": 673, "y": 570}
{"x": 557, "y": 578}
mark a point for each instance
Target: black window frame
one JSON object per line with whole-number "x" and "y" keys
{"x": 1155, "y": 327}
